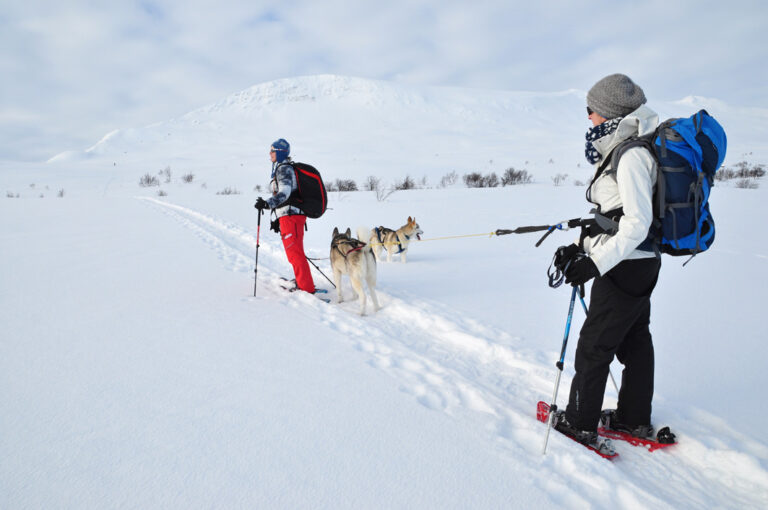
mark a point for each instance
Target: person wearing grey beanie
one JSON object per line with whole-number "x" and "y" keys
{"x": 623, "y": 264}
{"x": 614, "y": 96}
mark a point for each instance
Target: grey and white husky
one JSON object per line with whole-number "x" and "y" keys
{"x": 353, "y": 257}
{"x": 395, "y": 241}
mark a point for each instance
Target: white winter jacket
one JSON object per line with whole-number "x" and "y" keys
{"x": 630, "y": 186}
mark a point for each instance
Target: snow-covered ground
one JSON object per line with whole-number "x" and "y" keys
{"x": 139, "y": 371}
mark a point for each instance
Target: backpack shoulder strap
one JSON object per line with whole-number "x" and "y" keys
{"x": 645, "y": 141}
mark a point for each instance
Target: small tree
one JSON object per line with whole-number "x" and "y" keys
{"x": 372, "y": 183}
{"x": 491, "y": 180}
{"x": 149, "y": 180}
{"x": 382, "y": 194}
{"x": 559, "y": 179}
{"x": 473, "y": 180}
{"x": 406, "y": 184}
{"x": 345, "y": 185}
{"x": 478, "y": 180}
{"x": 166, "y": 172}
{"x": 449, "y": 179}
{"x": 746, "y": 184}
{"x": 512, "y": 177}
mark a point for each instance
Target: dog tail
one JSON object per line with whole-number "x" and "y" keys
{"x": 364, "y": 235}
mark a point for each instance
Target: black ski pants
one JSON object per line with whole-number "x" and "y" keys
{"x": 617, "y": 325}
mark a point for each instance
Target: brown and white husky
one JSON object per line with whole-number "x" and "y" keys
{"x": 395, "y": 241}
{"x": 353, "y": 257}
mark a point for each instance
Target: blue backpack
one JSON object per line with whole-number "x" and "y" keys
{"x": 688, "y": 151}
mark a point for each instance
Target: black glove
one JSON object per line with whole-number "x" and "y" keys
{"x": 580, "y": 271}
{"x": 275, "y": 225}
{"x": 565, "y": 254}
{"x": 261, "y": 204}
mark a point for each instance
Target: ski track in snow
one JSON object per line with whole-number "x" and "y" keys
{"x": 454, "y": 365}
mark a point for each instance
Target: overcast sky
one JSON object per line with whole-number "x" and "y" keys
{"x": 74, "y": 70}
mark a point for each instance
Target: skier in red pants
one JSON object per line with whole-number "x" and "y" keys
{"x": 291, "y": 218}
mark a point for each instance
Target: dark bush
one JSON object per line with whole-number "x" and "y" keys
{"x": 478, "y": 180}
{"x": 512, "y": 177}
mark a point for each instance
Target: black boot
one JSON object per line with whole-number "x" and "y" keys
{"x": 609, "y": 421}
{"x": 586, "y": 437}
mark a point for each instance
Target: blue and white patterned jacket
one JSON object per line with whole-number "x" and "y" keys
{"x": 282, "y": 185}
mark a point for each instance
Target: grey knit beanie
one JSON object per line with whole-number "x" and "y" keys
{"x": 614, "y": 96}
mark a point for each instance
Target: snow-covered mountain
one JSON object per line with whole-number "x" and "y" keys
{"x": 352, "y": 128}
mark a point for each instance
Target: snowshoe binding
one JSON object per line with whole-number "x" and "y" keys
{"x": 589, "y": 439}
{"x": 637, "y": 435}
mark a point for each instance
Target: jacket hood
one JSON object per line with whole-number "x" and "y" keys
{"x": 640, "y": 122}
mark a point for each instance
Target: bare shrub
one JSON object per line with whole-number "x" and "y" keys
{"x": 449, "y": 179}
{"x": 372, "y": 183}
{"x": 166, "y": 172}
{"x": 747, "y": 184}
{"x": 161, "y": 193}
{"x": 149, "y": 180}
{"x": 743, "y": 170}
{"x": 512, "y": 177}
{"x": 406, "y": 184}
{"x": 559, "y": 179}
{"x": 257, "y": 188}
{"x": 187, "y": 178}
{"x": 61, "y": 193}
{"x": 478, "y": 180}
{"x": 345, "y": 185}
{"x": 382, "y": 194}
{"x": 228, "y": 191}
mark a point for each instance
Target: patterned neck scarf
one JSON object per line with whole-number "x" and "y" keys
{"x": 596, "y": 133}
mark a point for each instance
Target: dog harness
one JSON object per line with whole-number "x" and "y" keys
{"x": 342, "y": 239}
{"x": 383, "y": 230}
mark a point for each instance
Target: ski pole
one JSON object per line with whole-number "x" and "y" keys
{"x": 583, "y": 305}
{"x": 559, "y": 365}
{"x": 318, "y": 269}
{"x": 256, "y": 265}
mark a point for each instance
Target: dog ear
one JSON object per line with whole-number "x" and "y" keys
{"x": 348, "y": 232}
{"x": 335, "y": 231}
{"x": 409, "y": 219}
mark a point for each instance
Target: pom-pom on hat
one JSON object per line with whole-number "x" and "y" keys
{"x": 282, "y": 149}
{"x": 616, "y": 95}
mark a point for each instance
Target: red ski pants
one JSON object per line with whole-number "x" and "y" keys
{"x": 292, "y": 233}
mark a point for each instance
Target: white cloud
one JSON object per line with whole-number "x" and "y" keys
{"x": 80, "y": 69}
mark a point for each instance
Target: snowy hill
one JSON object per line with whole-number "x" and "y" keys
{"x": 139, "y": 371}
{"x": 349, "y": 126}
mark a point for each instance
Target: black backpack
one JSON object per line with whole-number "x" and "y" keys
{"x": 310, "y": 195}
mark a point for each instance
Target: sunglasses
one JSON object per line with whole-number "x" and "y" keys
{"x": 589, "y": 111}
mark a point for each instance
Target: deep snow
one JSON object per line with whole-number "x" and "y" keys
{"x": 138, "y": 370}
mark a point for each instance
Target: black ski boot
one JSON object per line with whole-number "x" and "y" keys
{"x": 585, "y": 437}
{"x": 609, "y": 421}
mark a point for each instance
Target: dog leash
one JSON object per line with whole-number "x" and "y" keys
{"x": 489, "y": 234}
